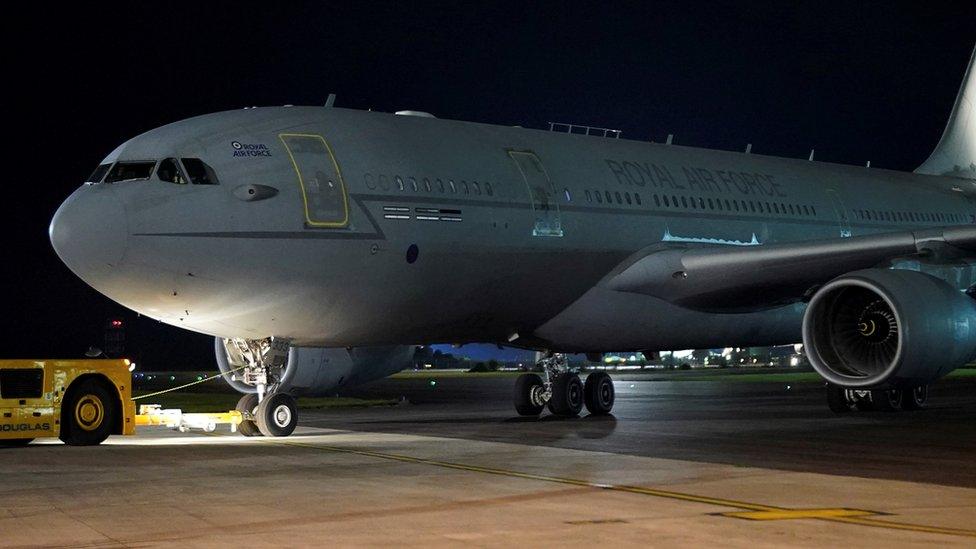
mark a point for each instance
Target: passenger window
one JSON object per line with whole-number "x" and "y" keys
{"x": 169, "y": 171}
{"x": 413, "y": 184}
{"x": 440, "y": 186}
{"x": 488, "y": 189}
{"x": 637, "y": 198}
{"x": 599, "y": 197}
{"x": 627, "y": 198}
{"x": 130, "y": 171}
{"x": 569, "y": 197}
{"x": 476, "y": 187}
{"x": 666, "y": 203}
{"x": 464, "y": 185}
{"x": 684, "y": 201}
{"x": 399, "y": 182}
{"x": 657, "y": 201}
{"x": 368, "y": 179}
{"x": 619, "y": 201}
{"x": 427, "y": 184}
{"x": 589, "y": 195}
{"x": 609, "y": 198}
{"x": 450, "y": 183}
{"x": 384, "y": 182}
{"x": 200, "y": 173}
{"x": 98, "y": 174}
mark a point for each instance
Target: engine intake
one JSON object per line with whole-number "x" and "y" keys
{"x": 888, "y": 328}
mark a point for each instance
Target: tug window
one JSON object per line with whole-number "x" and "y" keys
{"x": 98, "y": 174}
{"x": 130, "y": 171}
{"x": 200, "y": 173}
{"x": 169, "y": 171}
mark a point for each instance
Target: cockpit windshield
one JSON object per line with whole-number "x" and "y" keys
{"x": 130, "y": 171}
{"x": 200, "y": 173}
{"x": 99, "y": 173}
{"x": 170, "y": 172}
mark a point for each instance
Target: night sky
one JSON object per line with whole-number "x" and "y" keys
{"x": 856, "y": 80}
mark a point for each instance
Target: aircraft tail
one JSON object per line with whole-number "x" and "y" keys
{"x": 955, "y": 155}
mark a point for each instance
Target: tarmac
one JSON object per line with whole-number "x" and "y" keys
{"x": 680, "y": 463}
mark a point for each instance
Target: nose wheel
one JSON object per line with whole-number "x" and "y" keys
{"x": 562, "y": 391}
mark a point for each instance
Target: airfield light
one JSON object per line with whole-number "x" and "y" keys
{"x": 116, "y": 323}
{"x": 433, "y": 383}
{"x": 132, "y": 366}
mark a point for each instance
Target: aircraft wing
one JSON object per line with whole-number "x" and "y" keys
{"x": 719, "y": 278}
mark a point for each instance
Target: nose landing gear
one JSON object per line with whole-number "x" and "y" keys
{"x": 262, "y": 364}
{"x": 562, "y": 391}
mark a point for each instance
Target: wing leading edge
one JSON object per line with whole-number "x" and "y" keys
{"x": 732, "y": 279}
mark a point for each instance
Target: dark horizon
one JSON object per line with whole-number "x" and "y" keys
{"x": 872, "y": 81}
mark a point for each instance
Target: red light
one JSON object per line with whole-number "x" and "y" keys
{"x": 116, "y": 323}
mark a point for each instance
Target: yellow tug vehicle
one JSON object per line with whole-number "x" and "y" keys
{"x": 82, "y": 402}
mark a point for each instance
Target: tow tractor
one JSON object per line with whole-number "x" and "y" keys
{"x": 82, "y": 402}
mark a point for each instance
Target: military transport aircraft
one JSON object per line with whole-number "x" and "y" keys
{"x": 319, "y": 244}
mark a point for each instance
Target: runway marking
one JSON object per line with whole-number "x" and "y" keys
{"x": 847, "y": 516}
{"x": 790, "y": 514}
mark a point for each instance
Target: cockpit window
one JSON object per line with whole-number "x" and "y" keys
{"x": 130, "y": 171}
{"x": 99, "y": 173}
{"x": 200, "y": 173}
{"x": 170, "y": 172}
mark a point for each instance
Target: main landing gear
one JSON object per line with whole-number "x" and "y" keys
{"x": 842, "y": 401}
{"x": 562, "y": 391}
{"x": 266, "y": 411}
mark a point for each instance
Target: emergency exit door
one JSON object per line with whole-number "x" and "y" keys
{"x": 542, "y": 193}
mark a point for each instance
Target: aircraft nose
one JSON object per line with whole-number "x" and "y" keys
{"x": 89, "y": 231}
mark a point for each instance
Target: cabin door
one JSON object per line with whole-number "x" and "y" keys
{"x": 542, "y": 193}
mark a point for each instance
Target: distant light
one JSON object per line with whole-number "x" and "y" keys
{"x": 132, "y": 366}
{"x": 788, "y": 387}
{"x": 199, "y": 378}
{"x": 433, "y": 383}
{"x": 126, "y": 362}
{"x": 795, "y": 361}
{"x": 116, "y": 323}
{"x": 172, "y": 378}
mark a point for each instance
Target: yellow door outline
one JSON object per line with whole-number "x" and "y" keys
{"x": 301, "y": 182}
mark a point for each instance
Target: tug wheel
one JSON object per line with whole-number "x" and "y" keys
{"x": 88, "y": 414}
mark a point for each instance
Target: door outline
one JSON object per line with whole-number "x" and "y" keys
{"x": 844, "y": 223}
{"x": 550, "y": 222}
{"x": 301, "y": 183}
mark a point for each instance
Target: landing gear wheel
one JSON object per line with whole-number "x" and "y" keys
{"x": 886, "y": 400}
{"x": 915, "y": 397}
{"x": 840, "y": 400}
{"x": 567, "y": 396}
{"x": 528, "y": 395}
{"x": 277, "y": 415}
{"x": 13, "y": 442}
{"x": 88, "y": 414}
{"x": 598, "y": 393}
{"x": 248, "y": 405}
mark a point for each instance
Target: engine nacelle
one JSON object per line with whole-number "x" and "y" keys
{"x": 884, "y": 328}
{"x": 318, "y": 371}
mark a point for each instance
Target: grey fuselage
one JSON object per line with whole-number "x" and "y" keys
{"x": 485, "y": 267}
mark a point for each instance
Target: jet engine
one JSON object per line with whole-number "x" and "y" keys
{"x": 884, "y": 328}
{"x": 318, "y": 371}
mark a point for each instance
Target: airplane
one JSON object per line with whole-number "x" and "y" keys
{"x": 318, "y": 245}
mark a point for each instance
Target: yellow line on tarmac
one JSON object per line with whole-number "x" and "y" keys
{"x": 758, "y": 511}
